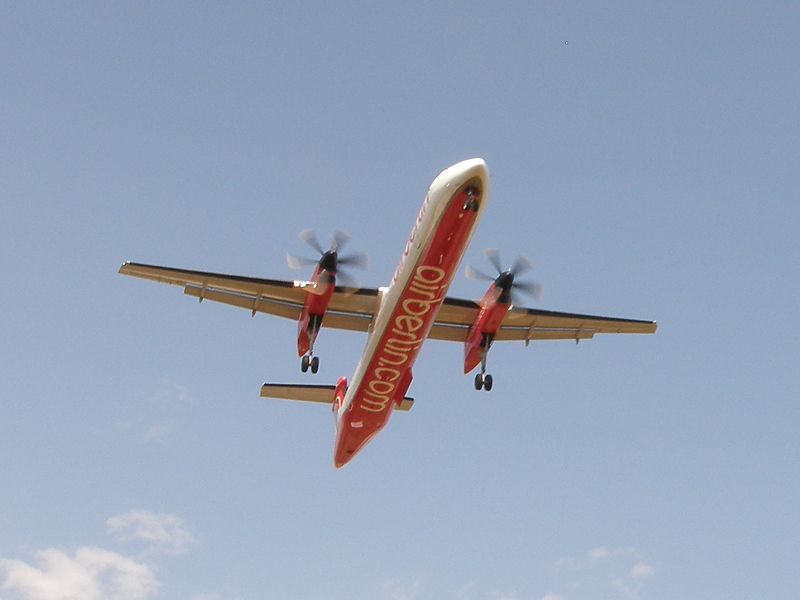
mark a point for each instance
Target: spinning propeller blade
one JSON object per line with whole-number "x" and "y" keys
{"x": 474, "y": 274}
{"x": 505, "y": 280}
{"x": 330, "y": 259}
{"x": 299, "y": 262}
{"x": 310, "y": 238}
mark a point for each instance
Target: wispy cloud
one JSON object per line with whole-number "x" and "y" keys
{"x": 395, "y": 589}
{"x": 168, "y": 400}
{"x": 601, "y": 553}
{"x": 641, "y": 571}
{"x": 89, "y": 574}
{"x": 155, "y": 415}
{"x": 618, "y": 573}
{"x": 630, "y": 586}
{"x": 504, "y": 596}
{"x": 162, "y": 532}
{"x": 594, "y": 557}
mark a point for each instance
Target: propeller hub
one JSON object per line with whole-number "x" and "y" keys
{"x": 329, "y": 261}
{"x": 505, "y": 281}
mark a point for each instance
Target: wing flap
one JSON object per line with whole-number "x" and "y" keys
{"x": 527, "y": 324}
{"x": 252, "y": 303}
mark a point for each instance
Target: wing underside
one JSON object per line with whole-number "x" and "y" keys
{"x": 527, "y": 324}
{"x": 350, "y": 308}
{"x": 354, "y": 309}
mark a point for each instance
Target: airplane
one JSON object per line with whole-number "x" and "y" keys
{"x": 414, "y": 307}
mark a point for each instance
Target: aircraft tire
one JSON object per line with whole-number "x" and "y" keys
{"x": 478, "y": 381}
{"x": 487, "y": 383}
{"x": 315, "y": 364}
{"x": 304, "y": 364}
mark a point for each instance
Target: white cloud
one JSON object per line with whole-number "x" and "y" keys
{"x": 504, "y": 596}
{"x": 172, "y": 393}
{"x": 162, "y": 532}
{"x": 640, "y": 571}
{"x": 162, "y": 409}
{"x": 158, "y": 430}
{"x": 565, "y": 563}
{"x": 598, "y": 554}
{"x": 398, "y": 590}
{"x": 91, "y": 574}
{"x": 620, "y": 571}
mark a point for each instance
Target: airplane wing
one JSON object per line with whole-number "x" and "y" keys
{"x": 349, "y": 308}
{"x": 455, "y": 317}
{"x": 353, "y": 309}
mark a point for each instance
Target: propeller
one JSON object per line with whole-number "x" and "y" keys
{"x": 505, "y": 280}
{"x": 330, "y": 260}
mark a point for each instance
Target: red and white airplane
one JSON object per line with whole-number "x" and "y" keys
{"x": 398, "y": 318}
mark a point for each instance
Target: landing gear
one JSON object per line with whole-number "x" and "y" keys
{"x": 483, "y": 381}
{"x": 309, "y": 361}
{"x": 471, "y": 203}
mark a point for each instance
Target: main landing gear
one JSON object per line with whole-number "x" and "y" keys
{"x": 471, "y": 203}
{"x": 483, "y": 379}
{"x": 309, "y": 361}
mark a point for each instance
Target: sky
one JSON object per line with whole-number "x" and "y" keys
{"x": 644, "y": 156}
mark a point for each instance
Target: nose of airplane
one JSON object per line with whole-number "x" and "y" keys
{"x": 462, "y": 172}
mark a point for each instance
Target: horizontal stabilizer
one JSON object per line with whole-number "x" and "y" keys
{"x": 312, "y": 393}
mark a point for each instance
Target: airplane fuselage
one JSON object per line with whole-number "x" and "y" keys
{"x": 444, "y": 227}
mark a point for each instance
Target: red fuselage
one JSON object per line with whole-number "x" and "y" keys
{"x": 432, "y": 256}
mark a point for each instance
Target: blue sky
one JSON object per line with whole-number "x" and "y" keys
{"x": 645, "y": 157}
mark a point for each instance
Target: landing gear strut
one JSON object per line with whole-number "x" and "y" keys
{"x": 309, "y": 360}
{"x": 483, "y": 379}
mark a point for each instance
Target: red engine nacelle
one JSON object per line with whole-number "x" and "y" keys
{"x": 481, "y": 334}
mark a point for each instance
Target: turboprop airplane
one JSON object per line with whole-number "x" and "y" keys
{"x": 399, "y": 318}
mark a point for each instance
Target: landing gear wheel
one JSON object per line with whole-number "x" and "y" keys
{"x": 478, "y": 381}
{"x": 315, "y": 364}
{"x": 304, "y": 364}
{"x": 487, "y": 383}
